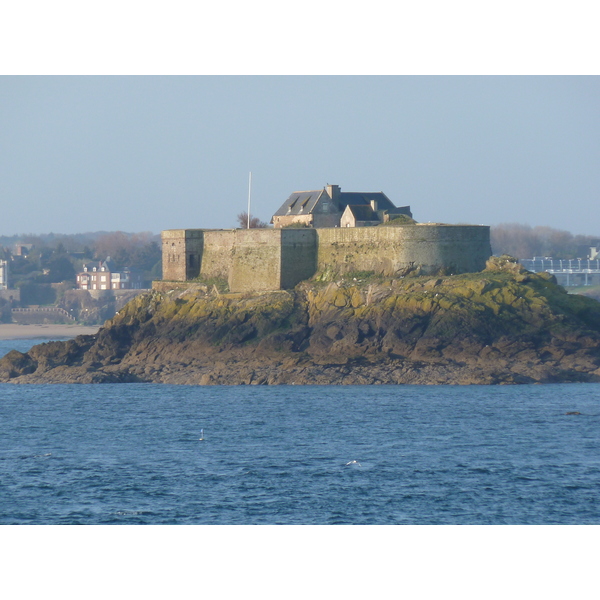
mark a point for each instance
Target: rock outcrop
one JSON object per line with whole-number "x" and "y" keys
{"x": 501, "y": 326}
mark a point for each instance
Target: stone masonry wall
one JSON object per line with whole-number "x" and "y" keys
{"x": 391, "y": 250}
{"x": 256, "y": 260}
{"x": 298, "y": 256}
{"x": 218, "y": 252}
{"x": 273, "y": 259}
{"x": 182, "y": 251}
{"x": 12, "y": 295}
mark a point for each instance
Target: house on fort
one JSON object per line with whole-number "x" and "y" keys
{"x": 330, "y": 207}
{"x": 322, "y": 231}
{"x": 105, "y": 275}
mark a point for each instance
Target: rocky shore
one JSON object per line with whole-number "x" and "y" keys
{"x": 501, "y": 326}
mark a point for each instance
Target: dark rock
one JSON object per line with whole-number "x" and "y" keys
{"x": 495, "y": 327}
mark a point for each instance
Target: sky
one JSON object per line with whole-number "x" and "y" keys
{"x": 147, "y": 153}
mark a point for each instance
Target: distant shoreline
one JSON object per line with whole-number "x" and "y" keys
{"x": 13, "y": 331}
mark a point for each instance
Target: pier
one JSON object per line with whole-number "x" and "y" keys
{"x": 569, "y": 273}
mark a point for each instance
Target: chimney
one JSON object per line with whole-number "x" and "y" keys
{"x": 333, "y": 191}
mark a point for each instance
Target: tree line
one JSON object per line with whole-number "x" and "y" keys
{"x": 524, "y": 241}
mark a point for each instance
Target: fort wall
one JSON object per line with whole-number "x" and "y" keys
{"x": 298, "y": 256}
{"x": 256, "y": 260}
{"x": 274, "y": 259}
{"x": 182, "y": 250}
{"x": 216, "y": 260}
{"x": 392, "y": 250}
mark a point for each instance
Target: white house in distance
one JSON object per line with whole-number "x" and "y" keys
{"x": 3, "y": 274}
{"x": 104, "y": 275}
{"x": 330, "y": 207}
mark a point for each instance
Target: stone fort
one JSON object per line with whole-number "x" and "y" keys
{"x": 323, "y": 231}
{"x": 277, "y": 259}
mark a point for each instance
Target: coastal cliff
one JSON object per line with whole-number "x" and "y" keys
{"x": 501, "y": 326}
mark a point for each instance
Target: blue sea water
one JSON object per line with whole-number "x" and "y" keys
{"x": 131, "y": 454}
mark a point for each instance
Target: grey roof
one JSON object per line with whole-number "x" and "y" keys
{"x": 363, "y": 212}
{"x": 108, "y": 264}
{"x": 302, "y": 203}
{"x": 364, "y": 198}
{"x": 299, "y": 203}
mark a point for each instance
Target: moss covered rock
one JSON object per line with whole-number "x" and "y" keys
{"x": 503, "y": 325}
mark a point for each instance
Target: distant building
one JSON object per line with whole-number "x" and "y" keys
{"x": 105, "y": 275}
{"x": 330, "y": 207}
{"x": 22, "y": 249}
{"x": 3, "y": 274}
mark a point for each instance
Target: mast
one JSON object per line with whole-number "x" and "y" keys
{"x": 249, "y": 193}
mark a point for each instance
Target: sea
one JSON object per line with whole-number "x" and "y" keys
{"x": 138, "y": 454}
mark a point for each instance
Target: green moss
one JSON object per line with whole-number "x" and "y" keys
{"x": 483, "y": 307}
{"x": 222, "y": 285}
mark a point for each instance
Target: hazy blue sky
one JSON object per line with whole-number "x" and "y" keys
{"x": 150, "y": 153}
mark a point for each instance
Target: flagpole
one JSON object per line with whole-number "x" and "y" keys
{"x": 249, "y": 192}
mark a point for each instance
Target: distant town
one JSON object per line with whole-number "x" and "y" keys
{"x": 81, "y": 278}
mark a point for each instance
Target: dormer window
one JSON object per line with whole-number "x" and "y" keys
{"x": 291, "y": 206}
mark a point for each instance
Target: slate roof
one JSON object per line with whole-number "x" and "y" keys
{"x": 302, "y": 203}
{"x": 363, "y": 213}
{"x": 108, "y": 264}
{"x": 299, "y": 203}
{"x": 364, "y": 198}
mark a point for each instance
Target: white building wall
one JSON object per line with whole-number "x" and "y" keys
{"x": 3, "y": 275}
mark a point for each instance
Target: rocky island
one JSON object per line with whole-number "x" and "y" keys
{"x": 502, "y": 325}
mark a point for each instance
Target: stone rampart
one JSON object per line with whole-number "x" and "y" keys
{"x": 182, "y": 250}
{"x": 274, "y": 259}
{"x": 298, "y": 256}
{"x": 256, "y": 261}
{"x": 216, "y": 260}
{"x": 392, "y": 250}
{"x": 271, "y": 259}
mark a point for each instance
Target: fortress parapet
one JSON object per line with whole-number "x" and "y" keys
{"x": 275, "y": 259}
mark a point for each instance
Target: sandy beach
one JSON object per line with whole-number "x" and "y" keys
{"x": 13, "y": 331}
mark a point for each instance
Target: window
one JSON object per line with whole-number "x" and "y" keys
{"x": 291, "y": 206}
